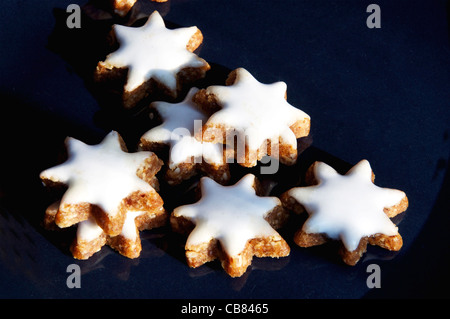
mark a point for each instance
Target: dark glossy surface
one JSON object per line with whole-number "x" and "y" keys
{"x": 380, "y": 94}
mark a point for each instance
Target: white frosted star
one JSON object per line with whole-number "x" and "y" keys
{"x": 347, "y": 207}
{"x": 232, "y": 214}
{"x": 101, "y": 175}
{"x": 153, "y": 51}
{"x": 258, "y": 110}
{"x": 177, "y": 130}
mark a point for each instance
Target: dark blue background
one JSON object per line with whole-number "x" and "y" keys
{"x": 380, "y": 94}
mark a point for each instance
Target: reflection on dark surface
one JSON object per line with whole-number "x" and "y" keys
{"x": 434, "y": 233}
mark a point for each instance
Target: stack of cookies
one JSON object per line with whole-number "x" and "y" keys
{"x": 111, "y": 194}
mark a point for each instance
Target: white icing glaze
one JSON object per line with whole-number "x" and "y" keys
{"x": 129, "y": 226}
{"x": 232, "y": 214}
{"x": 178, "y": 130}
{"x": 88, "y": 230}
{"x": 100, "y": 174}
{"x": 347, "y": 207}
{"x": 258, "y": 110}
{"x": 153, "y": 51}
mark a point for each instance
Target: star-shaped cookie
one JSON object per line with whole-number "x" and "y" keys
{"x": 156, "y": 59}
{"x": 258, "y": 114}
{"x": 231, "y": 223}
{"x": 187, "y": 155}
{"x": 105, "y": 185}
{"x": 349, "y": 208}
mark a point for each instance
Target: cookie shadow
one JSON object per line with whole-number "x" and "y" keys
{"x": 35, "y": 142}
